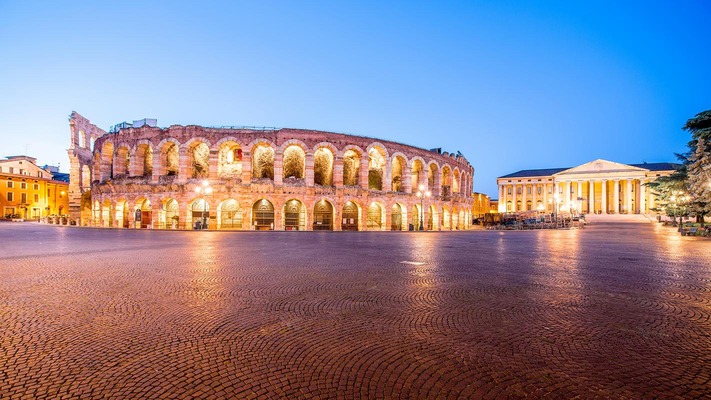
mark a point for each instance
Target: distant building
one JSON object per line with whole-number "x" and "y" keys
{"x": 600, "y": 187}
{"x": 481, "y": 205}
{"x": 30, "y": 192}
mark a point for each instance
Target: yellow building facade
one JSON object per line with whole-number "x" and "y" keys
{"x": 30, "y": 192}
{"x": 597, "y": 187}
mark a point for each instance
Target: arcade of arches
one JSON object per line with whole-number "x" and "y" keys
{"x": 285, "y": 179}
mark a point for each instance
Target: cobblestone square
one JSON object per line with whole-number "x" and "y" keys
{"x": 615, "y": 310}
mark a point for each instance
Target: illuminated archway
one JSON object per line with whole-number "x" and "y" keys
{"x": 323, "y": 216}
{"x": 294, "y": 214}
{"x": 229, "y": 215}
{"x": 263, "y": 215}
{"x": 351, "y": 217}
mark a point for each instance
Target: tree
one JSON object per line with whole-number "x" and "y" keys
{"x": 698, "y": 164}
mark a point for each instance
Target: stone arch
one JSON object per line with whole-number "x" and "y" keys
{"x": 432, "y": 174}
{"x": 144, "y": 159}
{"x": 198, "y": 153}
{"x": 198, "y": 211}
{"x": 446, "y": 181}
{"x": 294, "y": 215}
{"x": 263, "y": 215}
{"x": 351, "y": 215}
{"x": 169, "y": 157}
{"x": 106, "y": 217}
{"x": 323, "y": 165}
{"x": 377, "y": 161}
{"x": 82, "y": 139}
{"x": 262, "y": 160}
{"x": 122, "y": 160}
{"x": 323, "y": 215}
{"x": 417, "y": 170}
{"x": 229, "y": 159}
{"x": 398, "y": 163}
{"x": 169, "y": 217}
{"x": 398, "y": 217}
{"x": 376, "y": 217}
{"x": 229, "y": 215}
{"x": 415, "y": 218}
{"x": 142, "y": 213}
{"x": 351, "y": 165}
{"x": 433, "y": 219}
{"x": 294, "y": 162}
{"x": 456, "y": 181}
{"x": 122, "y": 213}
{"x": 107, "y": 160}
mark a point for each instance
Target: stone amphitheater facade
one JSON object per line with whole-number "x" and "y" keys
{"x": 261, "y": 179}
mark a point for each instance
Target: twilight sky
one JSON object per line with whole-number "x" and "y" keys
{"x": 512, "y": 85}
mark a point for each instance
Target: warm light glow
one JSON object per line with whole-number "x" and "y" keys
{"x": 208, "y": 190}
{"x": 205, "y": 183}
{"x": 197, "y": 189}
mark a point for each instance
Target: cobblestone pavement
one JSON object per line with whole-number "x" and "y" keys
{"x": 611, "y": 311}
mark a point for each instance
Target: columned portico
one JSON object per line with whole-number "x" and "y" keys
{"x": 612, "y": 188}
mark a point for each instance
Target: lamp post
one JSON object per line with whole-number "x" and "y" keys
{"x": 678, "y": 200}
{"x": 422, "y": 194}
{"x": 203, "y": 190}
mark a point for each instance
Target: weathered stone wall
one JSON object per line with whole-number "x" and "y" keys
{"x": 302, "y": 165}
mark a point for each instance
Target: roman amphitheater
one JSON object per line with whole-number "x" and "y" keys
{"x": 187, "y": 177}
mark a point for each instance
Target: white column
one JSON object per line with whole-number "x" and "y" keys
{"x": 568, "y": 195}
{"x": 603, "y": 200}
{"x": 545, "y": 196}
{"x": 534, "y": 203}
{"x": 513, "y": 202}
{"x": 591, "y": 197}
{"x": 642, "y": 198}
{"x": 628, "y": 196}
{"x": 525, "y": 196}
{"x": 616, "y": 196}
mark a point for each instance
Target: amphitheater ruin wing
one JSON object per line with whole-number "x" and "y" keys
{"x": 260, "y": 179}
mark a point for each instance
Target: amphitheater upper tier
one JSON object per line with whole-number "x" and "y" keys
{"x": 250, "y": 178}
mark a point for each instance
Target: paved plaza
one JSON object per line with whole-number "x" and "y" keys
{"x": 615, "y": 310}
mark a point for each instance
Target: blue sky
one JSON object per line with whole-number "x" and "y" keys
{"x": 512, "y": 85}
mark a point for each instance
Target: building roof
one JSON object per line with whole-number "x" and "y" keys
{"x": 665, "y": 166}
{"x": 60, "y": 176}
{"x": 534, "y": 172}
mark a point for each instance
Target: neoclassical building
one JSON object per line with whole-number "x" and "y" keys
{"x": 142, "y": 176}
{"x": 599, "y": 187}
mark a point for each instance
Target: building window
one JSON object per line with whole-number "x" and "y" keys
{"x": 10, "y": 184}
{"x": 23, "y": 197}
{"x": 538, "y": 190}
{"x": 529, "y": 190}
{"x": 35, "y": 186}
{"x": 23, "y": 185}
{"x": 10, "y": 196}
{"x": 509, "y": 190}
{"x": 12, "y": 170}
{"x": 36, "y": 198}
{"x": 518, "y": 190}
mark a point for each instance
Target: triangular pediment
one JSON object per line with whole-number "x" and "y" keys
{"x": 601, "y": 166}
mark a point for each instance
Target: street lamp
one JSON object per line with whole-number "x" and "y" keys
{"x": 422, "y": 194}
{"x": 203, "y": 190}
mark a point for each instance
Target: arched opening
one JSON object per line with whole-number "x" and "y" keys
{"x": 446, "y": 219}
{"x": 518, "y": 205}
{"x": 455, "y": 218}
{"x": 199, "y": 156}
{"x": 263, "y": 162}
{"x": 323, "y": 167}
{"x": 431, "y": 218}
{"x": 123, "y": 161}
{"x": 82, "y": 139}
{"x": 142, "y": 213}
{"x": 509, "y": 206}
{"x": 376, "y": 168}
{"x": 171, "y": 211}
{"x": 446, "y": 182}
{"x": 107, "y": 161}
{"x": 350, "y": 217}
{"x": 229, "y": 161}
{"x": 263, "y": 215}
{"x": 351, "y": 168}
{"x": 96, "y": 214}
{"x": 229, "y": 215}
{"x": 456, "y": 182}
{"x": 85, "y": 178}
{"x": 418, "y": 170}
{"x": 396, "y": 218}
{"x": 323, "y": 216}
{"x": 169, "y": 159}
{"x": 375, "y": 217}
{"x": 144, "y": 160}
{"x": 294, "y": 215}
{"x": 415, "y": 218}
{"x": 431, "y": 175}
{"x": 198, "y": 214}
{"x": 121, "y": 214}
{"x": 397, "y": 170}
{"x": 294, "y": 163}
{"x": 529, "y": 205}
{"x": 106, "y": 220}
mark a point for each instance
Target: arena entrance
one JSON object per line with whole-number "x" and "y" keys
{"x": 263, "y": 215}
{"x": 350, "y": 217}
{"x": 143, "y": 214}
{"x": 323, "y": 216}
{"x": 396, "y": 218}
{"x": 294, "y": 216}
{"x": 199, "y": 214}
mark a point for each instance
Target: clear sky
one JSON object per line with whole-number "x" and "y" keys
{"x": 512, "y": 85}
